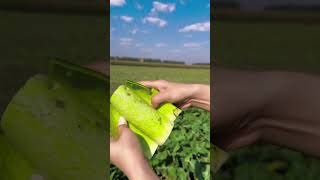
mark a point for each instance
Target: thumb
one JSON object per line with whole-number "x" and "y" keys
{"x": 160, "y": 98}
{"x": 122, "y": 124}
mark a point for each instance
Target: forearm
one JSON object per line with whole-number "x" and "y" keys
{"x": 138, "y": 168}
{"x": 201, "y": 96}
{"x": 292, "y": 117}
{"x": 281, "y": 108}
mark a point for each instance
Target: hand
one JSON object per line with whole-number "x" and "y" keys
{"x": 183, "y": 95}
{"x": 99, "y": 66}
{"x": 127, "y": 155}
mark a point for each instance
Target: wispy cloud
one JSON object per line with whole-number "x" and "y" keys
{"x": 134, "y": 31}
{"x": 155, "y": 20}
{"x": 146, "y": 50}
{"x": 139, "y": 44}
{"x": 117, "y": 2}
{"x": 125, "y": 41}
{"x": 192, "y": 45}
{"x": 162, "y": 7}
{"x": 127, "y": 19}
{"x": 159, "y": 45}
{"x": 197, "y": 27}
{"x": 182, "y": 2}
{"x": 175, "y": 51}
{"x": 139, "y": 6}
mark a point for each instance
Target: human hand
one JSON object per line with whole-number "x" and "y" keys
{"x": 127, "y": 155}
{"x": 183, "y": 95}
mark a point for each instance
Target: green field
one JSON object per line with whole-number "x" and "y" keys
{"x": 186, "y": 153}
{"x": 268, "y": 46}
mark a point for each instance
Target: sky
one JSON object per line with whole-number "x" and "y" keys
{"x": 164, "y": 29}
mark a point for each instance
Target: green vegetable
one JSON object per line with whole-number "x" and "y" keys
{"x": 59, "y": 123}
{"x": 218, "y": 157}
{"x": 153, "y": 126}
{"x": 13, "y": 165}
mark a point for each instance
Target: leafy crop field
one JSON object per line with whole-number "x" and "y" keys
{"x": 266, "y": 46}
{"x": 185, "y": 155}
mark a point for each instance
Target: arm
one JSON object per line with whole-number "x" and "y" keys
{"x": 281, "y": 108}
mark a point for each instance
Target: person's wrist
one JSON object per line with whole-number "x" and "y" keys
{"x": 141, "y": 171}
{"x": 195, "y": 90}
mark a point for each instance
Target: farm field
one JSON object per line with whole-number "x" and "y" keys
{"x": 186, "y": 153}
{"x": 268, "y": 46}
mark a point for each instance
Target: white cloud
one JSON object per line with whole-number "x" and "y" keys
{"x": 146, "y": 50}
{"x": 159, "y": 45}
{"x": 134, "y": 31}
{"x": 144, "y": 31}
{"x": 162, "y": 7}
{"x": 200, "y": 27}
{"x": 117, "y": 2}
{"x": 182, "y": 2}
{"x": 191, "y": 45}
{"x": 127, "y": 19}
{"x": 126, "y": 41}
{"x": 139, "y": 44}
{"x": 156, "y": 21}
{"x": 175, "y": 51}
{"x": 139, "y": 6}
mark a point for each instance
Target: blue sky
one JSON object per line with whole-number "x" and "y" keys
{"x": 164, "y": 29}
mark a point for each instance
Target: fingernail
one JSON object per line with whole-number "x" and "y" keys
{"x": 122, "y": 121}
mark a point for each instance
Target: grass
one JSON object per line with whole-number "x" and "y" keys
{"x": 186, "y": 152}
{"x": 156, "y": 64}
{"x": 268, "y": 46}
{"x": 30, "y": 40}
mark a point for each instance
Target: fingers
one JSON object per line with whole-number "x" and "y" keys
{"x": 99, "y": 66}
{"x": 160, "y": 98}
{"x": 158, "y": 84}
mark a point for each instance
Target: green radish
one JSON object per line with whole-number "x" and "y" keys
{"x": 132, "y": 101}
{"x": 13, "y": 165}
{"x": 218, "y": 157}
{"x": 60, "y": 123}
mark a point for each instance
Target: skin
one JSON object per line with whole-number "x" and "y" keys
{"x": 280, "y": 108}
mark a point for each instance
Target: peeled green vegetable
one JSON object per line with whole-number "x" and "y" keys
{"x": 60, "y": 123}
{"x": 132, "y": 101}
{"x": 13, "y": 165}
{"x": 218, "y": 157}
